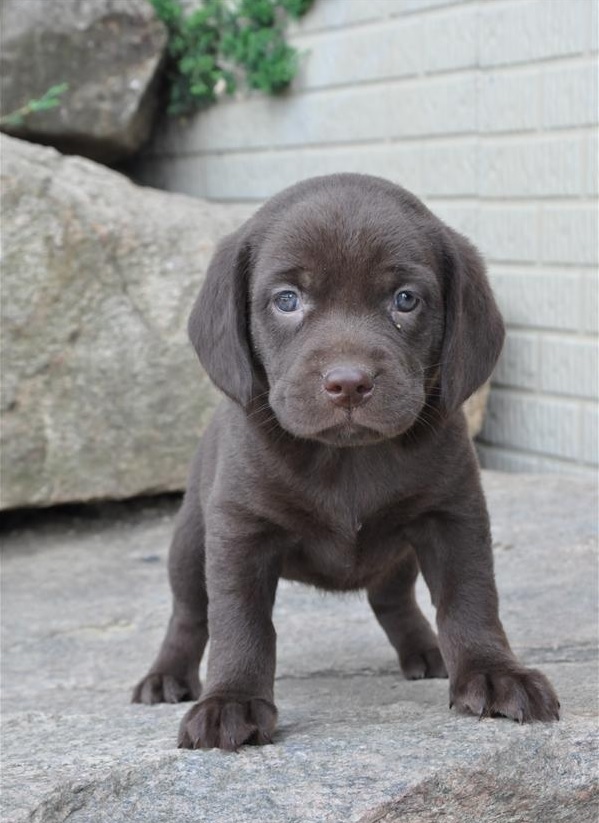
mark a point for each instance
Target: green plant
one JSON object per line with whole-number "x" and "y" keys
{"x": 49, "y": 100}
{"x": 211, "y": 49}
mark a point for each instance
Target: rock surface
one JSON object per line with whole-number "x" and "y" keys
{"x": 110, "y": 53}
{"x": 475, "y": 408}
{"x": 85, "y": 606}
{"x": 102, "y": 394}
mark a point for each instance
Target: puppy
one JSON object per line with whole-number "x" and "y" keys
{"x": 346, "y": 325}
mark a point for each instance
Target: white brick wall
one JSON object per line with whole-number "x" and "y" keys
{"x": 488, "y": 110}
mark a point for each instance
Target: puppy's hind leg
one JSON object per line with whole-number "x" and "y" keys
{"x": 394, "y": 604}
{"x": 174, "y": 677}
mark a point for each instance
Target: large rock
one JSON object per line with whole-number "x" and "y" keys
{"x": 86, "y": 603}
{"x": 109, "y": 52}
{"x": 102, "y": 395}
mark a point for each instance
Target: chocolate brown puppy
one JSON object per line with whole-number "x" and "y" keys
{"x": 346, "y": 325}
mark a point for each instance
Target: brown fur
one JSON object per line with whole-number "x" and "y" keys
{"x": 340, "y": 457}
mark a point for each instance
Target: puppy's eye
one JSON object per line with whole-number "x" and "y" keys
{"x": 287, "y": 301}
{"x": 405, "y": 301}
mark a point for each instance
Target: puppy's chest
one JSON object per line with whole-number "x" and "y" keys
{"x": 342, "y": 552}
{"x": 345, "y": 525}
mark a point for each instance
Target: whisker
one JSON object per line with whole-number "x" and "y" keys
{"x": 260, "y": 409}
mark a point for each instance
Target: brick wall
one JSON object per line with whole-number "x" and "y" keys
{"x": 486, "y": 109}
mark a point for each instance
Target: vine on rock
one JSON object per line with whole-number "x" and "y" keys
{"x": 226, "y": 42}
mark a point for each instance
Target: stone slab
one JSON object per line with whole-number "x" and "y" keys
{"x": 85, "y": 602}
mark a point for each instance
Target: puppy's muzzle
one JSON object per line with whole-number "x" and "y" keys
{"x": 348, "y": 386}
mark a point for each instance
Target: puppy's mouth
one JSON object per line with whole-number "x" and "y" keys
{"x": 348, "y": 433}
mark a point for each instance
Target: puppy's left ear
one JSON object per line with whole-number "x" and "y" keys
{"x": 474, "y": 330}
{"x": 219, "y": 324}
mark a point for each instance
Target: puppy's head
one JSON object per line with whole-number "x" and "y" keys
{"x": 351, "y": 308}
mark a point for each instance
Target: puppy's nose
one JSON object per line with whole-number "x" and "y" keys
{"x": 348, "y": 386}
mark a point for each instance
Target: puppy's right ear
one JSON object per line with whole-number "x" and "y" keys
{"x": 218, "y": 325}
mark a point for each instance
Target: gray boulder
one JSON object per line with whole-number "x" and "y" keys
{"x": 102, "y": 395}
{"x": 108, "y": 51}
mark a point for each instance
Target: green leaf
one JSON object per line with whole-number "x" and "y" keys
{"x": 296, "y": 8}
{"x": 49, "y": 100}
{"x": 12, "y": 120}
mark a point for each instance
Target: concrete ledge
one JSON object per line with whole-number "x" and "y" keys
{"x": 86, "y": 602}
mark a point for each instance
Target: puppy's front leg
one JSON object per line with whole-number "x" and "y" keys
{"x": 237, "y": 705}
{"x": 454, "y": 553}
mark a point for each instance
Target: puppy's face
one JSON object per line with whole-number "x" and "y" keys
{"x": 347, "y": 319}
{"x": 352, "y": 308}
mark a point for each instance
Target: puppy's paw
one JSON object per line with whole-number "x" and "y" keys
{"x": 227, "y": 722}
{"x": 521, "y": 694}
{"x": 165, "y": 688}
{"x": 417, "y": 664}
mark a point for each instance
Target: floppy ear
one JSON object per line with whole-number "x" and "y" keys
{"x": 474, "y": 330}
{"x": 219, "y": 326}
